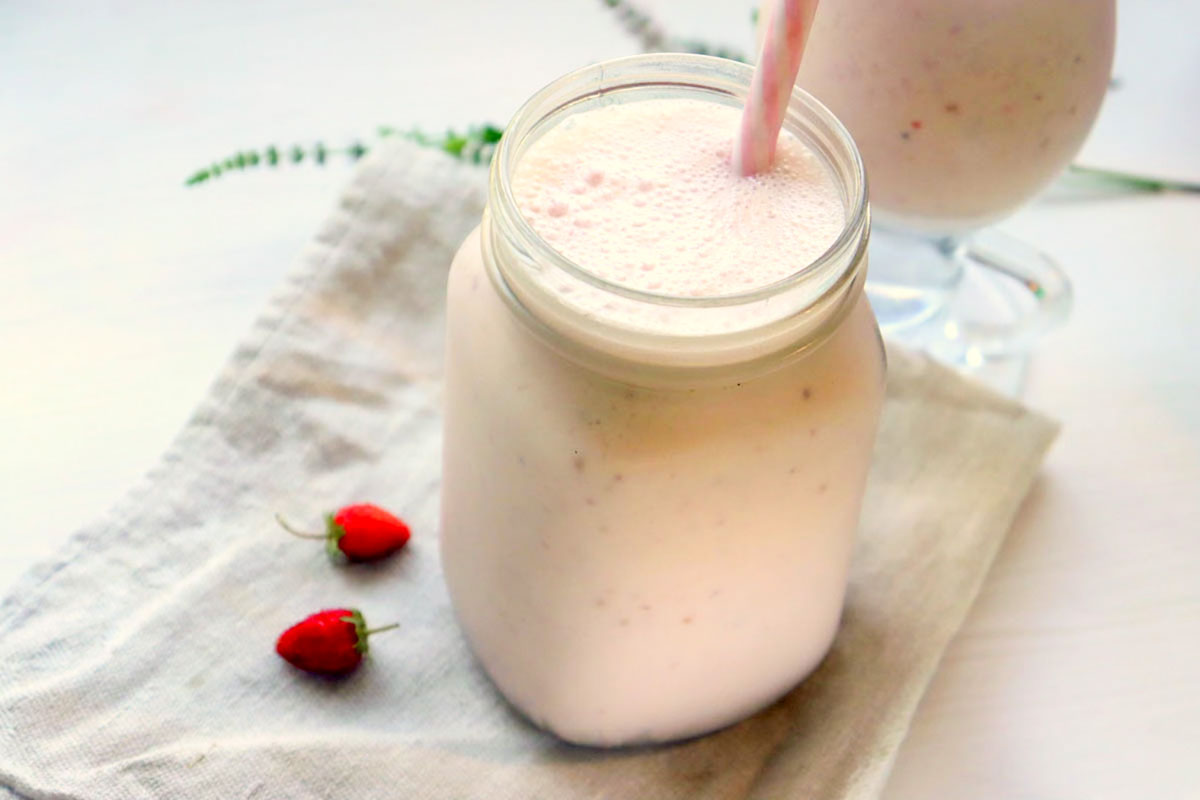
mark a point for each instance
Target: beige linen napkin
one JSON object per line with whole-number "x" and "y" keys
{"x": 140, "y": 663}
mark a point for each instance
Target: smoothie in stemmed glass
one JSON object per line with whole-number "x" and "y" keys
{"x": 962, "y": 112}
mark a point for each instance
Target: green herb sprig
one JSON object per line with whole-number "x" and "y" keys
{"x": 478, "y": 143}
{"x": 650, "y": 35}
{"x": 475, "y": 146}
{"x": 1134, "y": 183}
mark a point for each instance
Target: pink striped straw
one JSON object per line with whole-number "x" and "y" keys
{"x": 787, "y": 29}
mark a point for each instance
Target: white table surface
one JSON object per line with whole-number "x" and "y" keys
{"x": 122, "y": 292}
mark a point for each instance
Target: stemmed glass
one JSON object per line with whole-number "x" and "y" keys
{"x": 963, "y": 110}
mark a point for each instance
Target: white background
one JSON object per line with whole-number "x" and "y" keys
{"x": 122, "y": 292}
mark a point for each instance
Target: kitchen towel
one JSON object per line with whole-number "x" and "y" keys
{"x": 140, "y": 662}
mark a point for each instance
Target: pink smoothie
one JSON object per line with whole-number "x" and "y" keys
{"x": 633, "y": 561}
{"x": 962, "y": 110}
{"x": 643, "y": 195}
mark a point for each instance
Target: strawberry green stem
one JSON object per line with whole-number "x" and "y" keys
{"x": 380, "y": 629}
{"x": 302, "y": 534}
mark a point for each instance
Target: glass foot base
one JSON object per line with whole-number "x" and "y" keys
{"x": 983, "y": 299}
{"x": 940, "y": 338}
{"x": 979, "y": 304}
{"x": 910, "y": 280}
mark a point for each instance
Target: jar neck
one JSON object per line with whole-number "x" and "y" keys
{"x": 711, "y": 333}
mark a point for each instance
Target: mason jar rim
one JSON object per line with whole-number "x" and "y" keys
{"x": 668, "y": 71}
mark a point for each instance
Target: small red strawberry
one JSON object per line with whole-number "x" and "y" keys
{"x": 330, "y": 642}
{"x": 361, "y": 532}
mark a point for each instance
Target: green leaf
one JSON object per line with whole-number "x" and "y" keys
{"x": 476, "y": 146}
{"x": 1137, "y": 183}
{"x": 333, "y": 535}
{"x": 652, "y": 38}
{"x": 360, "y": 630}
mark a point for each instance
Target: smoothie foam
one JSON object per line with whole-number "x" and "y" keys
{"x": 643, "y": 195}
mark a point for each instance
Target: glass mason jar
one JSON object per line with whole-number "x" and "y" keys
{"x": 648, "y": 510}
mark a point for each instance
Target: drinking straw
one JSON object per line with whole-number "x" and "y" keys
{"x": 787, "y": 26}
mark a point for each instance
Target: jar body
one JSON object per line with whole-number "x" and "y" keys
{"x": 634, "y": 563}
{"x": 647, "y": 518}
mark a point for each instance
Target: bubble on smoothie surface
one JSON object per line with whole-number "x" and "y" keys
{"x": 643, "y": 195}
